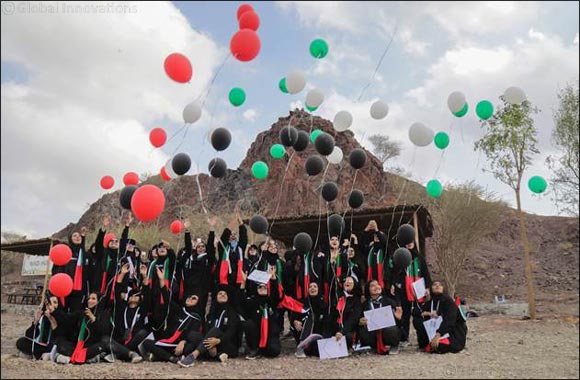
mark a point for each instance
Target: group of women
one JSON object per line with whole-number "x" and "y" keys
{"x": 205, "y": 302}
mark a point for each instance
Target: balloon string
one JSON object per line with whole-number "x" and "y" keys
{"x": 214, "y": 79}
{"x": 177, "y": 132}
{"x": 474, "y": 178}
{"x": 280, "y": 193}
{"x": 379, "y": 63}
{"x": 441, "y": 160}
{"x": 351, "y": 189}
{"x": 319, "y": 204}
{"x": 405, "y": 179}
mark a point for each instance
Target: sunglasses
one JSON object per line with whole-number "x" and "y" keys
{"x": 114, "y": 240}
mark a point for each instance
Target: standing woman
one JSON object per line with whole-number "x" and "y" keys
{"x": 161, "y": 300}
{"x": 376, "y": 257}
{"x": 195, "y": 265}
{"x": 77, "y": 269}
{"x": 335, "y": 273}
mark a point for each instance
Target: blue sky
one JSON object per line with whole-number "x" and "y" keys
{"x": 81, "y": 91}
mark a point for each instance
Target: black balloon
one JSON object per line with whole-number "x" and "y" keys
{"x": 314, "y": 165}
{"x": 405, "y": 234}
{"x": 402, "y": 257}
{"x": 288, "y": 136}
{"x": 356, "y": 199}
{"x": 329, "y": 191}
{"x": 221, "y": 139}
{"x": 126, "y": 195}
{"x": 181, "y": 163}
{"x": 259, "y": 224}
{"x": 217, "y": 168}
{"x": 324, "y": 144}
{"x": 301, "y": 142}
{"x": 302, "y": 242}
{"x": 357, "y": 158}
{"x": 336, "y": 225}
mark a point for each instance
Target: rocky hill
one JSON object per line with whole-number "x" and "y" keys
{"x": 495, "y": 268}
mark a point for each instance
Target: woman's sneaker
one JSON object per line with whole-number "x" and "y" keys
{"x": 253, "y": 354}
{"x": 62, "y": 359}
{"x": 186, "y": 361}
{"x": 135, "y": 357}
{"x": 223, "y": 357}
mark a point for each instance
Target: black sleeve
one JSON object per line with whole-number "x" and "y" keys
{"x": 99, "y": 241}
{"x": 351, "y": 322}
{"x": 275, "y": 295}
{"x": 225, "y": 238}
{"x": 233, "y": 325}
{"x": 210, "y": 248}
{"x": 448, "y": 310}
{"x": 102, "y": 325}
{"x": 123, "y": 241}
{"x": 243, "y": 237}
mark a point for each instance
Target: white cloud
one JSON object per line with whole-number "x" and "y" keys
{"x": 250, "y": 114}
{"x": 95, "y": 88}
{"x": 575, "y": 42}
{"x": 411, "y": 45}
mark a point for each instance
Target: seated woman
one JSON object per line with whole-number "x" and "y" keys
{"x": 88, "y": 335}
{"x": 262, "y": 328}
{"x": 184, "y": 328}
{"x": 345, "y": 317}
{"x": 39, "y": 338}
{"x": 309, "y": 326}
{"x": 222, "y": 329}
{"x": 386, "y": 340}
{"x": 451, "y": 334}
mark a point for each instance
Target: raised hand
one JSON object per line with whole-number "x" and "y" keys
{"x": 186, "y": 224}
{"x": 129, "y": 219}
{"x": 143, "y": 270}
{"x": 160, "y": 273}
{"x": 83, "y": 230}
{"x": 212, "y": 221}
{"x": 106, "y": 221}
{"x": 125, "y": 268}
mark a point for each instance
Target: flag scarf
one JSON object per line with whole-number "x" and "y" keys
{"x": 171, "y": 341}
{"x": 226, "y": 267}
{"x": 292, "y": 304}
{"x": 78, "y": 280}
{"x": 375, "y": 260}
{"x": 129, "y": 333}
{"x": 412, "y": 275}
{"x": 306, "y": 274}
{"x": 79, "y": 355}
{"x": 263, "y": 326}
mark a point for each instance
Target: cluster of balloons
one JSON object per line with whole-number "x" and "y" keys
{"x": 245, "y": 44}
{"x": 60, "y": 284}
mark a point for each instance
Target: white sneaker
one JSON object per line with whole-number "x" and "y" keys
{"x": 300, "y": 353}
{"x": 135, "y": 357}
{"x": 110, "y": 358}
{"x": 223, "y": 357}
{"x": 63, "y": 359}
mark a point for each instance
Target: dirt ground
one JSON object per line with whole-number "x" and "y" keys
{"x": 497, "y": 347}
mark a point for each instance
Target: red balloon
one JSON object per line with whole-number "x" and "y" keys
{"x": 245, "y": 45}
{"x": 157, "y": 136}
{"x": 250, "y": 20}
{"x": 147, "y": 203}
{"x": 243, "y": 9}
{"x": 164, "y": 174}
{"x": 107, "y": 239}
{"x": 178, "y": 67}
{"x": 60, "y": 254}
{"x": 131, "y": 178}
{"x": 60, "y": 285}
{"x": 176, "y": 226}
{"x": 107, "y": 182}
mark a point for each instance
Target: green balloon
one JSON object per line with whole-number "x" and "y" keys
{"x": 314, "y": 134}
{"x": 311, "y": 109}
{"x": 237, "y": 96}
{"x": 282, "y": 85}
{"x": 277, "y": 151}
{"x": 441, "y": 140}
{"x": 318, "y": 48}
{"x": 537, "y": 184}
{"x": 463, "y": 111}
{"x": 260, "y": 169}
{"x": 484, "y": 109}
{"x": 434, "y": 188}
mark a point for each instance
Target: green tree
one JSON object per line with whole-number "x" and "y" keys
{"x": 384, "y": 148}
{"x": 566, "y": 172}
{"x": 509, "y": 144}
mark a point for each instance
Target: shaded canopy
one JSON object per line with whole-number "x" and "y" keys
{"x": 38, "y": 247}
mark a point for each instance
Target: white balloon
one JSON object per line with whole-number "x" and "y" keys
{"x": 514, "y": 95}
{"x": 420, "y": 135}
{"x": 456, "y": 101}
{"x": 314, "y": 98}
{"x": 295, "y": 82}
{"x": 336, "y": 156}
{"x": 342, "y": 121}
{"x": 191, "y": 113}
{"x": 379, "y": 110}
{"x": 169, "y": 169}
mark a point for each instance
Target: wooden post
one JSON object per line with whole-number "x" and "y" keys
{"x": 416, "y": 225}
{"x": 46, "y": 275}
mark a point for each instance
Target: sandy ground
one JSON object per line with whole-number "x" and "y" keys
{"x": 497, "y": 347}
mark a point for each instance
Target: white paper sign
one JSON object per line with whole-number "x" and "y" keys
{"x": 380, "y": 318}
{"x": 33, "y": 265}
{"x": 259, "y": 277}
{"x": 431, "y": 327}
{"x": 419, "y": 288}
{"x": 331, "y": 348}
